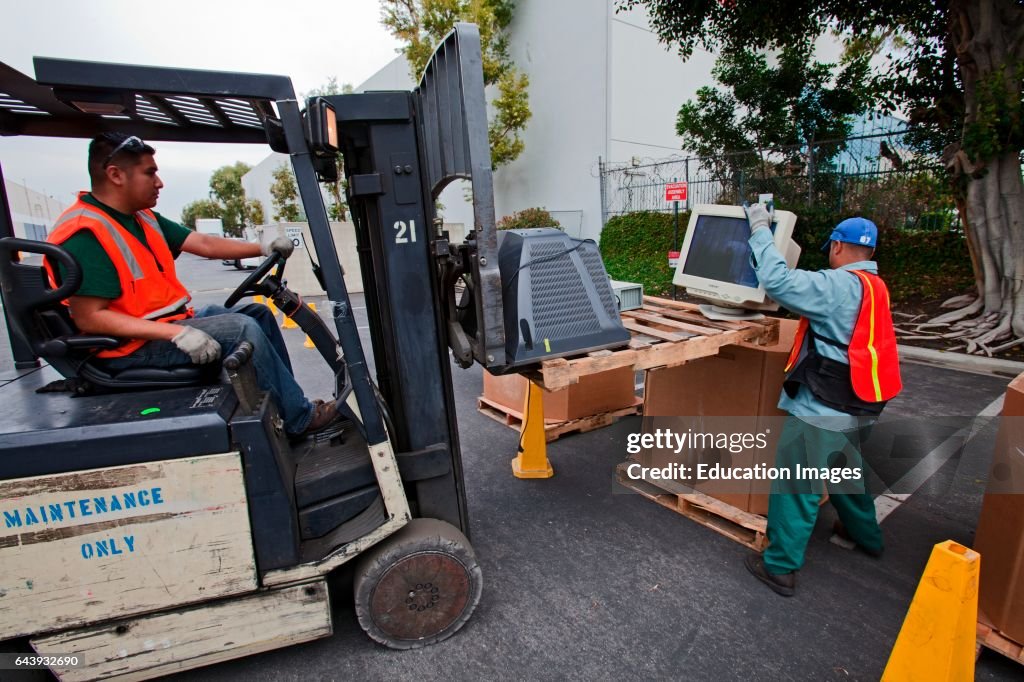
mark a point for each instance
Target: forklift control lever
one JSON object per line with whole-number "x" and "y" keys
{"x": 239, "y": 356}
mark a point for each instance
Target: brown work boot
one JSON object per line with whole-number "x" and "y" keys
{"x": 782, "y": 583}
{"x": 325, "y": 414}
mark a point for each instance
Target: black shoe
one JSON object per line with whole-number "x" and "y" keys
{"x": 783, "y": 583}
{"x": 839, "y": 529}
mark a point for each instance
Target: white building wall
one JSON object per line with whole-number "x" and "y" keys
{"x": 601, "y": 86}
{"x": 394, "y": 76}
{"x": 32, "y": 212}
{"x": 563, "y": 48}
{"x": 648, "y": 82}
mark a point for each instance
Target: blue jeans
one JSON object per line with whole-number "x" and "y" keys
{"x": 253, "y": 323}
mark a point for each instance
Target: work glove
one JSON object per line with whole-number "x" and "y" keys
{"x": 758, "y": 217}
{"x": 197, "y": 344}
{"x": 282, "y": 245}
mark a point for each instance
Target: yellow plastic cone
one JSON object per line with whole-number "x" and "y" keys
{"x": 532, "y": 460}
{"x": 258, "y": 299}
{"x": 937, "y": 640}
{"x": 273, "y": 308}
{"x": 308, "y": 343}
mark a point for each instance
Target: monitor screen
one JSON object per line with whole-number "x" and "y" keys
{"x": 719, "y": 250}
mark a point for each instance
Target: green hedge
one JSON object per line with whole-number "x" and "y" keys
{"x": 914, "y": 263}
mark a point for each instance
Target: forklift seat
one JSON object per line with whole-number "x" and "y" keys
{"x": 36, "y": 313}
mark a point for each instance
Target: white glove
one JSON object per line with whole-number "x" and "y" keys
{"x": 197, "y": 344}
{"x": 282, "y": 245}
{"x": 758, "y": 217}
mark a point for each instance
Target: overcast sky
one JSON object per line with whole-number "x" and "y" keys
{"x": 307, "y": 41}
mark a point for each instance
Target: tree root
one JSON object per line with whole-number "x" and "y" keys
{"x": 956, "y": 315}
{"x": 1008, "y": 345}
{"x": 959, "y": 301}
{"x": 981, "y": 344}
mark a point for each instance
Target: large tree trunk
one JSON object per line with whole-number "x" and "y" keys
{"x": 988, "y": 35}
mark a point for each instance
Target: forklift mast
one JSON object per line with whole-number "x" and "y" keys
{"x": 400, "y": 150}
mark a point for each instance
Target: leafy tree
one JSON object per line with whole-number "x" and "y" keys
{"x": 285, "y": 195}
{"x": 330, "y": 87}
{"x": 956, "y": 68}
{"x": 200, "y": 208}
{"x": 227, "y": 201}
{"x": 792, "y": 104}
{"x": 226, "y": 188}
{"x": 527, "y": 218}
{"x": 422, "y": 24}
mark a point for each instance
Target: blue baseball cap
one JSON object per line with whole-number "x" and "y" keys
{"x": 858, "y": 230}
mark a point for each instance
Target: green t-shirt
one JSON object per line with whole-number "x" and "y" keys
{"x": 99, "y": 276}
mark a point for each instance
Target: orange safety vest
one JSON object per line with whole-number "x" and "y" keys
{"x": 150, "y": 289}
{"x": 874, "y": 364}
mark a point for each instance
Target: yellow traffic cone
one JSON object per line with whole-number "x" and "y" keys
{"x": 273, "y": 308}
{"x": 289, "y": 323}
{"x": 258, "y": 299}
{"x": 532, "y": 460}
{"x": 937, "y": 640}
{"x": 308, "y": 343}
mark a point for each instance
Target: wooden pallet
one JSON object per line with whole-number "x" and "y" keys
{"x": 990, "y": 638}
{"x": 553, "y": 430}
{"x": 742, "y": 526}
{"x": 665, "y": 334}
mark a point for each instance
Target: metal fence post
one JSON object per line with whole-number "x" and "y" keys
{"x": 604, "y": 193}
{"x": 687, "y": 176}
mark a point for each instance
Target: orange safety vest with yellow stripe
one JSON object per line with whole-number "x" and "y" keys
{"x": 873, "y": 374}
{"x": 150, "y": 289}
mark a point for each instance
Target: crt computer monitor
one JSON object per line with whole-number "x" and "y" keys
{"x": 714, "y": 263}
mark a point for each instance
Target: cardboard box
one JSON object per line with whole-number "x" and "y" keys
{"x": 1000, "y": 534}
{"x": 594, "y": 394}
{"x": 773, "y": 372}
{"x": 742, "y": 381}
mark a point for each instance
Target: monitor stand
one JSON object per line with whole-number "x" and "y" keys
{"x": 717, "y": 312}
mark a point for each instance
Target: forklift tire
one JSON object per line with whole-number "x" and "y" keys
{"x": 418, "y": 586}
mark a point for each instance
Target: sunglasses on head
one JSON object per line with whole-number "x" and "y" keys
{"x": 130, "y": 144}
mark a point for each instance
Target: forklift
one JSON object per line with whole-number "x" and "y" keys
{"x": 158, "y": 520}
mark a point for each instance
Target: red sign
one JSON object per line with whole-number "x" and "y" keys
{"x": 675, "y": 191}
{"x": 673, "y": 259}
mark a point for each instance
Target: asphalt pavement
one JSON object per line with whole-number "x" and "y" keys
{"x": 585, "y": 580}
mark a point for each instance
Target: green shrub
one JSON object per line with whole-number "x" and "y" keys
{"x": 527, "y": 218}
{"x": 925, "y": 263}
{"x": 635, "y": 248}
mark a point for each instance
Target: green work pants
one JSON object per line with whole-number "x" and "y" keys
{"x": 793, "y": 505}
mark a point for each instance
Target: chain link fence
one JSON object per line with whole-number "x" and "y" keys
{"x": 874, "y": 175}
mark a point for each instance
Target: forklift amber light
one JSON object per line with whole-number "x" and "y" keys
{"x": 322, "y": 127}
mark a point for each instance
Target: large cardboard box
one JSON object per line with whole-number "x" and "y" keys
{"x": 594, "y": 394}
{"x": 743, "y": 383}
{"x": 1000, "y": 534}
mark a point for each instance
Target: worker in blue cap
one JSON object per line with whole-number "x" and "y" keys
{"x": 841, "y": 371}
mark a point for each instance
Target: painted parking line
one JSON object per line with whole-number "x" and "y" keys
{"x": 888, "y": 502}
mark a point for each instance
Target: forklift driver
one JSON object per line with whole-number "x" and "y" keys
{"x": 130, "y": 290}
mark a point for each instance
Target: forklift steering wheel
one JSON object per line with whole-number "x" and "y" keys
{"x": 252, "y": 283}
